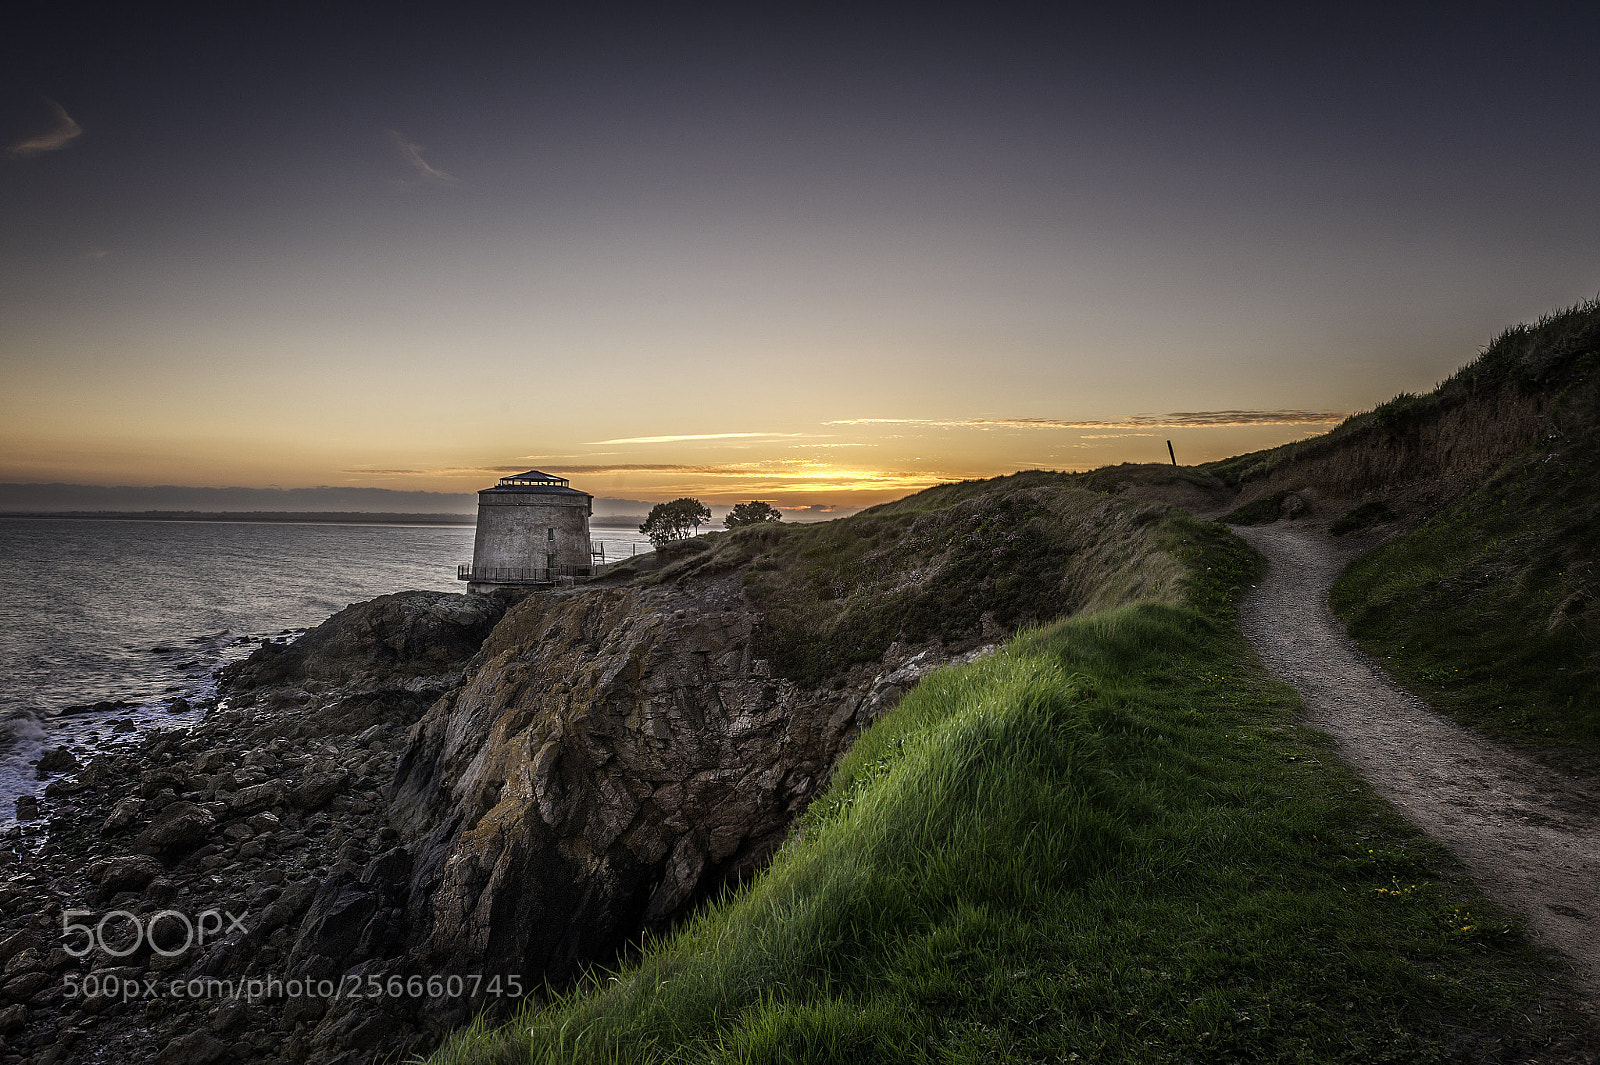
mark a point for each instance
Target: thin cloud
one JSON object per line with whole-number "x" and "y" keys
{"x": 1112, "y": 436}
{"x": 65, "y": 132}
{"x": 778, "y": 475}
{"x": 697, "y": 436}
{"x": 728, "y": 470}
{"x": 725, "y": 469}
{"x": 436, "y": 471}
{"x": 547, "y": 459}
{"x": 1180, "y": 420}
{"x": 425, "y": 173}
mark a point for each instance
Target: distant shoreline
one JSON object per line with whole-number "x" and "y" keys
{"x": 331, "y": 517}
{"x": 309, "y": 517}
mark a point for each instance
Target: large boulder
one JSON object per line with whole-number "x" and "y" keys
{"x": 407, "y": 634}
{"x": 181, "y": 826}
{"x": 129, "y": 873}
{"x": 59, "y": 760}
{"x": 193, "y": 1048}
{"x": 332, "y": 928}
{"x": 351, "y": 918}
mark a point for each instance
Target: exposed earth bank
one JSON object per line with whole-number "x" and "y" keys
{"x": 1529, "y": 834}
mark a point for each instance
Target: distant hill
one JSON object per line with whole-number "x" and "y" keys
{"x": 40, "y": 498}
{"x": 208, "y": 503}
{"x": 286, "y": 517}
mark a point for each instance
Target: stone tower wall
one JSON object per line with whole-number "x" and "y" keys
{"x": 514, "y": 531}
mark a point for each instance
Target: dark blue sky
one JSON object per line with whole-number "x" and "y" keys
{"x": 825, "y": 252}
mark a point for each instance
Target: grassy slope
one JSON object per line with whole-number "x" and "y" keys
{"x": 1491, "y": 608}
{"x": 1107, "y": 840}
{"x": 940, "y": 564}
{"x": 1443, "y": 444}
{"x": 1488, "y": 609}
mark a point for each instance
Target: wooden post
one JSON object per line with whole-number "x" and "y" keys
{"x": 1170, "y": 453}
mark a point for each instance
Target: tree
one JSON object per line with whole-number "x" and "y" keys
{"x": 676, "y": 520}
{"x": 754, "y": 512}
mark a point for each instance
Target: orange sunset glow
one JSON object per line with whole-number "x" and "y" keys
{"x": 827, "y": 279}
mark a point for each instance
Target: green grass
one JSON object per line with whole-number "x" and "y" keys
{"x": 950, "y": 564}
{"x": 1107, "y": 842}
{"x": 1362, "y": 517}
{"x": 1491, "y": 609}
{"x": 1263, "y": 511}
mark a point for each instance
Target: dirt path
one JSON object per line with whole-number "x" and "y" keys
{"x": 1530, "y": 835}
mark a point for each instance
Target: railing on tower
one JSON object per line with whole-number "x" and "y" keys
{"x": 520, "y": 574}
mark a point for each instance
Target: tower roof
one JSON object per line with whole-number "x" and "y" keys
{"x": 535, "y": 482}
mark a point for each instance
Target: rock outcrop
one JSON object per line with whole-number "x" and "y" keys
{"x": 430, "y": 786}
{"x": 606, "y": 759}
{"x": 433, "y": 786}
{"x": 377, "y": 643}
{"x": 614, "y": 757}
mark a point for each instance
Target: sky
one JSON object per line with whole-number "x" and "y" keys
{"x": 822, "y": 256}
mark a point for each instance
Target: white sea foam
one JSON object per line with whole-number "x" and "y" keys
{"x": 22, "y": 739}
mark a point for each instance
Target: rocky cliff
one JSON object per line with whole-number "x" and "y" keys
{"x": 618, "y": 753}
{"x": 607, "y": 759}
{"x": 264, "y": 811}
{"x": 429, "y": 786}
{"x": 613, "y": 758}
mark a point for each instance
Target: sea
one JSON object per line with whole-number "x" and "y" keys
{"x": 110, "y": 628}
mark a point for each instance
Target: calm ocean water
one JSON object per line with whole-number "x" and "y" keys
{"x": 143, "y": 612}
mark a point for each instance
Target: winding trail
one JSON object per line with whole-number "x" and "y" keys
{"x": 1530, "y": 835}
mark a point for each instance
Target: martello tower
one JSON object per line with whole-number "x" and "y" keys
{"x": 532, "y": 529}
